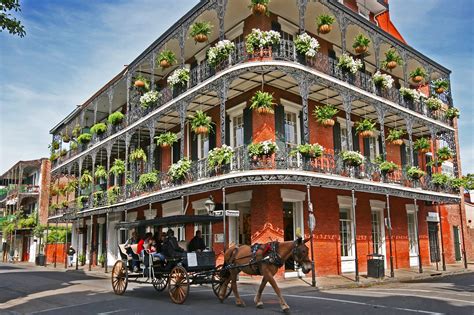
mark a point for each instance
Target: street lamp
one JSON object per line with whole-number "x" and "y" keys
{"x": 210, "y": 205}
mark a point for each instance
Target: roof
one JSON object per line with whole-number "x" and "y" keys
{"x": 31, "y": 163}
{"x": 170, "y": 221}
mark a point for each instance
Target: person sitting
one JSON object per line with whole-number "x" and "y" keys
{"x": 197, "y": 243}
{"x": 128, "y": 245}
{"x": 155, "y": 251}
{"x": 170, "y": 245}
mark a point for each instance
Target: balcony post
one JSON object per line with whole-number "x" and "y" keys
{"x": 80, "y": 174}
{"x": 389, "y": 228}
{"x": 301, "y": 4}
{"x": 82, "y": 119}
{"x": 441, "y": 235}
{"x": 380, "y": 109}
{"x": 433, "y": 149}
{"x": 409, "y": 122}
{"x": 94, "y": 156}
{"x": 347, "y": 99}
{"x": 222, "y": 91}
{"x": 128, "y": 137}
{"x": 182, "y": 118}
{"x": 152, "y": 65}
{"x": 151, "y": 148}
{"x": 181, "y": 41}
{"x": 376, "y": 42}
{"x": 129, "y": 83}
{"x": 110, "y": 95}
{"x": 343, "y": 25}
{"x": 404, "y": 56}
{"x": 420, "y": 267}
{"x": 354, "y": 228}
{"x": 221, "y": 9}
{"x": 95, "y": 111}
{"x": 90, "y": 242}
{"x": 109, "y": 153}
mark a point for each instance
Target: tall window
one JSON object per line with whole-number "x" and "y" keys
{"x": 203, "y": 146}
{"x": 344, "y": 138}
{"x": 286, "y": 36}
{"x": 238, "y": 131}
{"x": 377, "y": 241}
{"x": 373, "y": 148}
{"x": 205, "y": 228}
{"x": 345, "y": 230}
{"x": 411, "y": 233}
{"x": 291, "y": 131}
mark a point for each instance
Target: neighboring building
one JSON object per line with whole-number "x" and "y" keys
{"x": 25, "y": 188}
{"x": 271, "y": 193}
{"x": 469, "y": 205}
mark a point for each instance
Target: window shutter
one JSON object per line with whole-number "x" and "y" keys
{"x": 415, "y": 158}
{"x": 157, "y": 158}
{"x": 280, "y": 126}
{"x": 355, "y": 140}
{"x": 367, "y": 148}
{"x": 227, "y": 130}
{"x": 336, "y": 133}
{"x": 248, "y": 129}
{"x": 429, "y": 170}
{"x": 194, "y": 146}
{"x": 380, "y": 145}
{"x": 212, "y": 140}
{"x": 403, "y": 155}
{"x": 276, "y": 26}
{"x": 176, "y": 151}
{"x": 302, "y": 127}
{"x": 332, "y": 54}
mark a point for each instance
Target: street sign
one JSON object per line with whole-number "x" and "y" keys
{"x": 218, "y": 213}
{"x": 232, "y": 213}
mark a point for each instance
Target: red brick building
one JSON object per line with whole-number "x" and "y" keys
{"x": 356, "y": 207}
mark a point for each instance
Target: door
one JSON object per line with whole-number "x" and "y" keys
{"x": 288, "y": 231}
{"x": 434, "y": 243}
{"x": 457, "y": 243}
{"x": 378, "y": 233}
{"x": 412, "y": 239}
{"x": 347, "y": 241}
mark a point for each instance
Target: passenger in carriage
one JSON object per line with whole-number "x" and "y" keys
{"x": 171, "y": 247}
{"x": 197, "y": 243}
{"x": 128, "y": 247}
{"x": 156, "y": 249}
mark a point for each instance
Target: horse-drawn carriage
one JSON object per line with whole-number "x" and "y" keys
{"x": 175, "y": 273}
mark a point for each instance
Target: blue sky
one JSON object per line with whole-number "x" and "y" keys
{"x": 73, "y": 47}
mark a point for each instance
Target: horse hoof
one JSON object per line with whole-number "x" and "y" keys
{"x": 240, "y": 304}
{"x": 260, "y": 305}
{"x": 286, "y": 310}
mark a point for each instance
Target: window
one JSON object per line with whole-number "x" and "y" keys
{"x": 373, "y": 147}
{"x": 203, "y": 146}
{"x": 286, "y": 36}
{"x": 291, "y": 129}
{"x": 205, "y": 229}
{"x": 377, "y": 237}
{"x": 411, "y": 233}
{"x": 363, "y": 11}
{"x": 237, "y": 131}
{"x": 447, "y": 168}
{"x": 344, "y": 138}
{"x": 239, "y": 39}
{"x": 345, "y": 230}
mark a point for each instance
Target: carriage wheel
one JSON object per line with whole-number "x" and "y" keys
{"x": 119, "y": 277}
{"x": 178, "y": 285}
{"x": 159, "y": 282}
{"x": 218, "y": 281}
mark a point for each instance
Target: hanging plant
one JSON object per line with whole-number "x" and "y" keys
{"x": 76, "y": 131}
{"x": 444, "y": 154}
{"x": 179, "y": 170}
{"x": 147, "y": 180}
{"x": 115, "y": 118}
{"x": 220, "y": 52}
{"x": 112, "y": 194}
{"x": 73, "y": 145}
{"x": 365, "y": 128}
{"x": 409, "y": 94}
{"x": 392, "y": 60}
{"x": 97, "y": 197}
{"x": 260, "y": 149}
{"x": 72, "y": 185}
{"x": 259, "y": 7}
{"x": 84, "y": 138}
{"x": 179, "y": 77}
{"x": 395, "y": 136}
{"x": 347, "y": 63}
{"x": 220, "y": 156}
{"x": 306, "y": 45}
{"x": 439, "y": 179}
{"x": 53, "y": 157}
{"x": 54, "y": 145}
{"x": 149, "y": 99}
{"x": 434, "y": 103}
{"x": 418, "y": 75}
{"x": 452, "y": 113}
{"x": 166, "y": 139}
{"x": 118, "y": 168}
{"x": 200, "y": 31}
{"x": 388, "y": 167}
{"x": 361, "y": 44}
{"x": 166, "y": 58}
{"x": 262, "y": 102}
{"x": 65, "y": 204}
{"x": 63, "y": 152}
{"x": 352, "y": 158}
{"x": 99, "y": 128}
{"x": 324, "y": 23}
{"x": 415, "y": 173}
{"x": 100, "y": 172}
{"x": 257, "y": 40}
{"x": 422, "y": 144}
{"x": 86, "y": 179}
{"x": 80, "y": 201}
{"x": 440, "y": 85}
{"x": 65, "y": 137}
{"x": 382, "y": 80}
{"x": 325, "y": 114}
{"x": 141, "y": 83}
{"x": 201, "y": 123}
{"x": 307, "y": 150}
{"x": 137, "y": 155}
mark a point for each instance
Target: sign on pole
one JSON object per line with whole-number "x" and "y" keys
{"x": 232, "y": 213}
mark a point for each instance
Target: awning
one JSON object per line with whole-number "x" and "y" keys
{"x": 170, "y": 221}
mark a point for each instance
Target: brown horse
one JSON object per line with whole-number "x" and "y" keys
{"x": 262, "y": 265}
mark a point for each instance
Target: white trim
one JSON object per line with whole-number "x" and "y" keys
{"x": 287, "y": 26}
{"x": 346, "y": 201}
{"x": 239, "y": 197}
{"x": 377, "y": 204}
{"x": 291, "y": 195}
{"x": 411, "y": 208}
{"x": 236, "y": 110}
{"x": 201, "y": 55}
{"x": 101, "y": 220}
{"x": 342, "y": 121}
{"x": 199, "y": 204}
{"x": 172, "y": 207}
{"x": 235, "y": 32}
{"x": 291, "y": 106}
{"x": 132, "y": 216}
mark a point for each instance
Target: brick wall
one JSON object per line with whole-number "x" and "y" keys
{"x": 43, "y": 204}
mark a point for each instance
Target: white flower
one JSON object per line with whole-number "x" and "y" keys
{"x": 261, "y": 39}
{"x": 348, "y": 63}
{"x": 384, "y": 80}
{"x": 220, "y": 52}
{"x": 306, "y": 45}
{"x": 179, "y": 77}
{"x": 149, "y": 98}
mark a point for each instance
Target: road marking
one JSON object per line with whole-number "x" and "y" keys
{"x": 112, "y": 312}
{"x": 427, "y": 296}
{"x": 426, "y": 291}
{"x": 351, "y": 302}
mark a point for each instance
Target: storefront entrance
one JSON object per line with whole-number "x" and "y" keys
{"x": 434, "y": 243}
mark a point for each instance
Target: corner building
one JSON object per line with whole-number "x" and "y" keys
{"x": 355, "y": 208}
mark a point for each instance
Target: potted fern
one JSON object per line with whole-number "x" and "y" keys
{"x": 149, "y": 99}
{"x": 166, "y": 139}
{"x": 325, "y": 115}
{"x": 439, "y": 179}
{"x": 97, "y": 196}
{"x": 324, "y": 23}
{"x": 100, "y": 172}
{"x": 452, "y": 113}
{"x": 365, "y": 128}
{"x": 54, "y": 145}
{"x": 137, "y": 155}
{"x": 115, "y": 118}
{"x": 200, "y": 31}
{"x": 387, "y": 167}
{"x": 440, "y": 85}
{"x": 444, "y": 154}
{"x": 310, "y": 151}
{"x": 179, "y": 170}
{"x": 392, "y": 60}
{"x": 422, "y": 145}
{"x": 65, "y": 137}
{"x": 418, "y": 75}
{"x": 141, "y": 83}
{"x": 352, "y": 158}
{"x": 84, "y": 138}
{"x": 99, "y": 128}
{"x": 86, "y": 179}
{"x": 166, "y": 58}
{"x": 218, "y": 157}
{"x": 262, "y": 102}
{"x": 361, "y": 44}
{"x": 395, "y": 136}
{"x": 415, "y": 173}
{"x": 112, "y": 194}
{"x": 118, "y": 168}
{"x": 259, "y": 7}
{"x": 147, "y": 180}
{"x": 434, "y": 103}
{"x": 201, "y": 123}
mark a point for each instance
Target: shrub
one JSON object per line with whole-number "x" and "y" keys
{"x": 388, "y": 167}
{"x": 115, "y": 118}
{"x": 220, "y": 156}
{"x": 99, "y": 128}
{"x": 308, "y": 150}
{"x": 439, "y": 179}
{"x": 84, "y": 138}
{"x": 112, "y": 194}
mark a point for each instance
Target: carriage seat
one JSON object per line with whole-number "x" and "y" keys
{"x": 123, "y": 252}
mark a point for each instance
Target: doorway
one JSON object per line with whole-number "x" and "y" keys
{"x": 457, "y": 243}
{"x": 292, "y": 225}
{"x": 434, "y": 243}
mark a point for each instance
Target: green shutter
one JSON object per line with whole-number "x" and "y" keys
{"x": 176, "y": 151}
{"x": 355, "y": 140}
{"x": 194, "y": 147}
{"x": 280, "y": 126}
{"x": 248, "y": 129}
{"x": 429, "y": 170}
{"x": 380, "y": 145}
{"x": 367, "y": 148}
{"x": 415, "y": 158}
{"x": 336, "y": 133}
{"x": 403, "y": 155}
{"x": 302, "y": 127}
{"x": 212, "y": 140}
{"x": 227, "y": 130}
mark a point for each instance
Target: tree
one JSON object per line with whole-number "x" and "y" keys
{"x": 7, "y": 21}
{"x": 469, "y": 182}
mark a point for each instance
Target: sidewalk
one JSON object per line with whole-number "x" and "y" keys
{"x": 322, "y": 283}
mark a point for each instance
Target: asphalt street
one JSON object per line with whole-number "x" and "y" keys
{"x": 39, "y": 290}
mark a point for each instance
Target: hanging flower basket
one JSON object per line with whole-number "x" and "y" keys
{"x": 200, "y": 31}
{"x": 165, "y": 140}
{"x": 418, "y": 75}
{"x": 440, "y": 85}
{"x": 392, "y": 60}
{"x": 328, "y": 122}
{"x": 262, "y": 102}
{"x": 259, "y": 9}
{"x": 139, "y": 84}
{"x": 201, "y": 130}
{"x": 367, "y": 134}
{"x": 324, "y": 23}
{"x": 397, "y": 142}
{"x": 165, "y": 64}
{"x": 166, "y": 58}
{"x": 201, "y": 124}
{"x": 200, "y": 38}
{"x": 391, "y": 65}
{"x": 361, "y": 44}
{"x": 395, "y": 136}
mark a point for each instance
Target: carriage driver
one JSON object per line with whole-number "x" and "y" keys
{"x": 170, "y": 245}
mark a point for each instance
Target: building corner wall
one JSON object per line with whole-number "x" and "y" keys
{"x": 43, "y": 204}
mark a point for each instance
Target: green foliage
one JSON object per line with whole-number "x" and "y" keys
{"x": 166, "y": 138}
{"x": 54, "y": 145}
{"x": 452, "y": 113}
{"x": 201, "y": 28}
{"x": 444, "y": 153}
{"x": 422, "y": 144}
{"x": 361, "y": 41}
{"x": 142, "y": 78}
{"x": 220, "y": 156}
{"x": 101, "y": 259}
{"x": 322, "y": 113}
{"x": 352, "y": 158}
{"x": 84, "y": 138}
{"x": 100, "y": 172}
{"x": 8, "y": 21}
{"x": 391, "y": 55}
{"x": 469, "y": 181}
{"x": 115, "y": 118}
{"x": 54, "y": 156}
{"x": 439, "y": 179}
{"x": 365, "y": 125}
{"x": 76, "y": 131}
{"x": 99, "y": 128}
{"x": 414, "y": 172}
{"x": 58, "y": 235}
{"x": 148, "y": 179}
{"x": 137, "y": 155}
{"x": 200, "y": 119}
{"x": 72, "y": 186}
{"x": 80, "y": 201}
{"x": 258, "y": 149}
{"x": 179, "y": 170}
{"x": 440, "y": 84}
{"x": 65, "y": 137}
{"x": 112, "y": 194}
{"x": 82, "y": 259}
{"x": 258, "y": 39}
{"x": 307, "y": 150}
{"x": 63, "y": 152}
{"x": 456, "y": 183}
{"x": 434, "y": 103}
{"x": 167, "y": 55}
{"x": 73, "y": 145}
{"x": 388, "y": 167}
{"x": 118, "y": 168}
{"x": 395, "y": 134}
{"x": 254, "y": 2}
{"x": 86, "y": 179}
{"x": 262, "y": 100}
{"x": 324, "y": 19}
{"x": 418, "y": 72}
